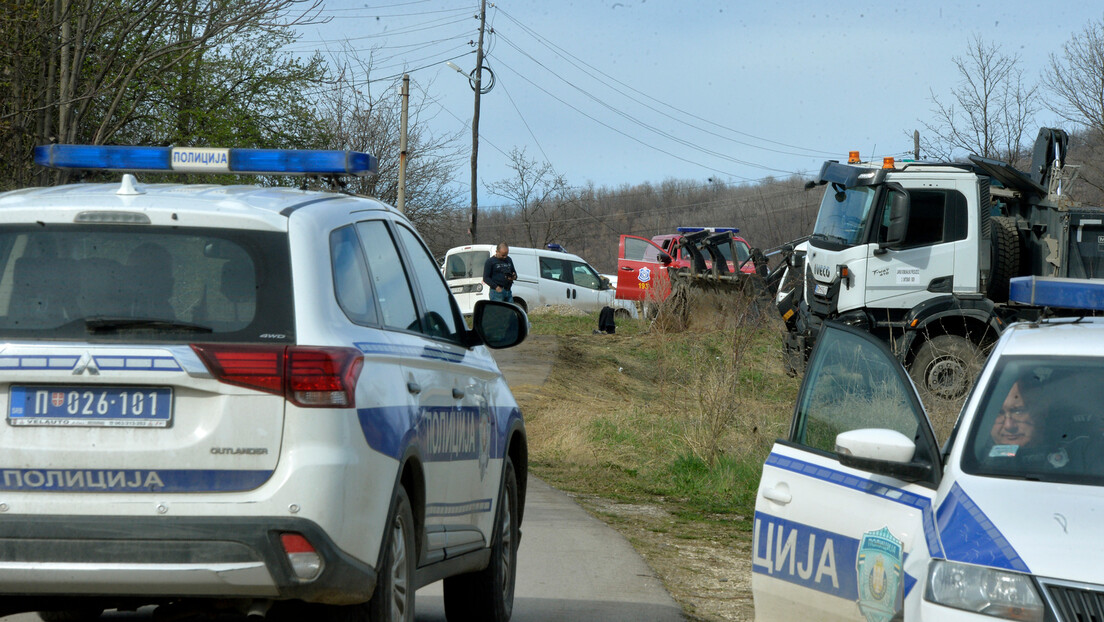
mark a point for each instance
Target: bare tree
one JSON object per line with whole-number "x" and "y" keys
{"x": 991, "y": 110}
{"x": 538, "y": 196}
{"x": 1076, "y": 78}
{"x": 359, "y": 118}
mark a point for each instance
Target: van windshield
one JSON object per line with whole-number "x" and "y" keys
{"x": 465, "y": 265}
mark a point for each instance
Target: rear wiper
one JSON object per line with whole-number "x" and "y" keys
{"x": 111, "y": 324}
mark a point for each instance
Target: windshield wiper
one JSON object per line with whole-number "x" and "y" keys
{"x": 112, "y": 324}
{"x": 831, "y": 238}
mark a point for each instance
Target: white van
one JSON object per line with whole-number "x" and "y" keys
{"x": 549, "y": 276}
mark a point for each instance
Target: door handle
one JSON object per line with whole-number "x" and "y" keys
{"x": 778, "y": 495}
{"x": 413, "y": 387}
{"x": 457, "y": 394}
{"x": 626, "y": 268}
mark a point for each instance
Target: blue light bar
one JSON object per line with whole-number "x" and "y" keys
{"x": 1041, "y": 291}
{"x": 556, "y": 247}
{"x": 712, "y": 229}
{"x": 206, "y": 160}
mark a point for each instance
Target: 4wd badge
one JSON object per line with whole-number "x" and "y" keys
{"x": 879, "y": 573}
{"x": 644, "y": 275}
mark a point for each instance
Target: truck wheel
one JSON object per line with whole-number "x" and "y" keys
{"x": 945, "y": 367}
{"x": 488, "y": 594}
{"x": 1006, "y": 257}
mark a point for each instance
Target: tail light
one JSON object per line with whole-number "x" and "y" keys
{"x": 305, "y": 562}
{"x": 306, "y": 376}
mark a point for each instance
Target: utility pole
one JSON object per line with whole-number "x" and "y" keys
{"x": 475, "y": 118}
{"x": 400, "y": 201}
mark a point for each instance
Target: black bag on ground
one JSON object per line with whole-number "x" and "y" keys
{"x": 605, "y": 321}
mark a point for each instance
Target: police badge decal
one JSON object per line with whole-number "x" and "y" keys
{"x": 879, "y": 574}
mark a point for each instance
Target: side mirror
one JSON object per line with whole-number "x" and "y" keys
{"x": 898, "y": 206}
{"x": 499, "y": 324}
{"x": 883, "y": 452}
{"x": 606, "y": 284}
{"x": 665, "y": 259}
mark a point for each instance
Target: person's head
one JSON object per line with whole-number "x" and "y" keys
{"x": 1020, "y": 419}
{"x": 502, "y": 250}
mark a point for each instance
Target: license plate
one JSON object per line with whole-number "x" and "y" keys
{"x": 821, "y": 289}
{"x": 121, "y": 407}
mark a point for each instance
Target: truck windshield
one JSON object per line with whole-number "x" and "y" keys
{"x": 842, "y": 216}
{"x": 1040, "y": 421}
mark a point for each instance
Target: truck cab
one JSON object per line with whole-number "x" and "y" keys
{"x": 921, "y": 255}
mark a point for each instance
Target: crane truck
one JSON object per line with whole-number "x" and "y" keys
{"x": 923, "y": 254}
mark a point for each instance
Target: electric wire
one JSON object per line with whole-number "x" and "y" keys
{"x": 607, "y": 77}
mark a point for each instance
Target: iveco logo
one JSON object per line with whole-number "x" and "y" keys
{"x": 822, "y": 271}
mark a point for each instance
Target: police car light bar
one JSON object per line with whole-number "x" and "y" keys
{"x": 710, "y": 229}
{"x": 1061, "y": 293}
{"x": 206, "y": 160}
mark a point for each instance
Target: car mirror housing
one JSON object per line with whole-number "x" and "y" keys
{"x": 499, "y": 324}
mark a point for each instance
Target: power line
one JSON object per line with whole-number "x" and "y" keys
{"x": 607, "y": 77}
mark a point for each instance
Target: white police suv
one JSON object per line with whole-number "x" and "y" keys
{"x": 861, "y": 516}
{"x": 245, "y": 398}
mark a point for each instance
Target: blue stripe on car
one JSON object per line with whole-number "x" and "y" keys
{"x": 970, "y": 537}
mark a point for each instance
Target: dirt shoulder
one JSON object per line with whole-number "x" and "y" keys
{"x": 704, "y": 562}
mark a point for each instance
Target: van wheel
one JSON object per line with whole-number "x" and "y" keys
{"x": 521, "y": 303}
{"x": 488, "y": 594}
{"x": 621, "y": 314}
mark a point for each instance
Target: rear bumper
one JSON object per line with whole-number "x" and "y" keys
{"x": 171, "y": 557}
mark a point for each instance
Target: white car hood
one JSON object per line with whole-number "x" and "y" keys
{"x": 1049, "y": 530}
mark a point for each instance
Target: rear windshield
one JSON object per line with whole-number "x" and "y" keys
{"x": 465, "y": 265}
{"x": 142, "y": 283}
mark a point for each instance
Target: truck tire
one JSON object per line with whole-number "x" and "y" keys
{"x": 1007, "y": 254}
{"x": 945, "y": 367}
{"x": 488, "y": 595}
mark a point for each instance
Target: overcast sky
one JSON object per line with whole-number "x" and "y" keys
{"x": 629, "y": 91}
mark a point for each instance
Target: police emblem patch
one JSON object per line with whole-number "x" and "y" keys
{"x": 879, "y": 575}
{"x": 644, "y": 275}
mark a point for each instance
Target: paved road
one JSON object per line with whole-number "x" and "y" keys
{"x": 571, "y": 567}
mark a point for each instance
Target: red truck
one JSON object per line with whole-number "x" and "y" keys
{"x": 642, "y": 263}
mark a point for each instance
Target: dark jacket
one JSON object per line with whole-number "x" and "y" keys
{"x": 499, "y": 272}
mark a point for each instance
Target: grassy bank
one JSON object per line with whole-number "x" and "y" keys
{"x": 682, "y": 419}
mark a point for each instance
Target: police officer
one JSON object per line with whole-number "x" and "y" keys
{"x": 499, "y": 273}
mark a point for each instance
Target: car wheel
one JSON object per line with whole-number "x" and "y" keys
{"x": 489, "y": 593}
{"x": 521, "y": 303}
{"x": 393, "y": 600}
{"x": 71, "y": 615}
{"x": 945, "y": 367}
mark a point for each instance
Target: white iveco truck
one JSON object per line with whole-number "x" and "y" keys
{"x": 922, "y": 254}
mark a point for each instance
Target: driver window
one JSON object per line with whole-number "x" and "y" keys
{"x": 638, "y": 249}
{"x": 584, "y": 276}
{"x": 852, "y": 384}
{"x": 438, "y": 316}
{"x": 935, "y": 216}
